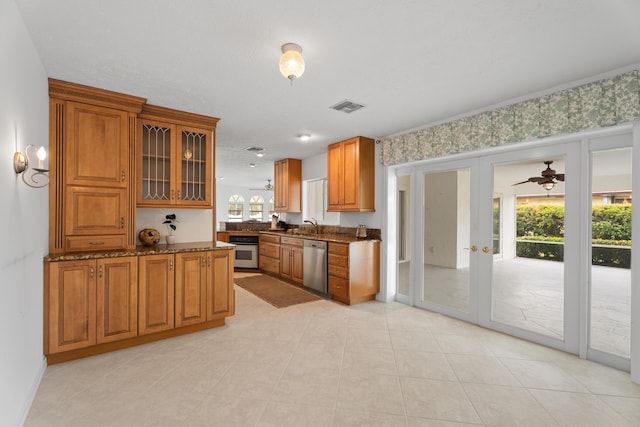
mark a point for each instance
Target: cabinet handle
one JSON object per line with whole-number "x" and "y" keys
{"x": 122, "y": 222}
{"x": 96, "y": 243}
{"x": 173, "y": 194}
{"x": 100, "y": 272}
{"x": 123, "y": 176}
{"x": 204, "y": 262}
{"x": 170, "y": 264}
{"x": 179, "y": 194}
{"x": 91, "y": 272}
{"x": 209, "y": 261}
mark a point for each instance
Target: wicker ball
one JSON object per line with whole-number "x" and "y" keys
{"x": 149, "y": 236}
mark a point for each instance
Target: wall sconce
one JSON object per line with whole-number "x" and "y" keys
{"x": 21, "y": 166}
{"x": 291, "y": 61}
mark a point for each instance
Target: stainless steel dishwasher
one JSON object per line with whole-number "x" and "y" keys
{"x": 315, "y": 265}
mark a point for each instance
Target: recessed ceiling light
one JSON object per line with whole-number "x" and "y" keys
{"x": 260, "y": 154}
{"x": 304, "y": 137}
{"x": 252, "y": 165}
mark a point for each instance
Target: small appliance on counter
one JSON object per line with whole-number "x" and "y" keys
{"x": 361, "y": 231}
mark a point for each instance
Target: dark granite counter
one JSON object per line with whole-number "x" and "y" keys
{"x": 144, "y": 250}
{"x": 328, "y": 237}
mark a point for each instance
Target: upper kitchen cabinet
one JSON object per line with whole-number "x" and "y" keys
{"x": 91, "y": 135}
{"x": 351, "y": 175}
{"x": 287, "y": 190}
{"x": 175, "y": 158}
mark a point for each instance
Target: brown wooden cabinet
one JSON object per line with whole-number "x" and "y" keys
{"x": 204, "y": 287}
{"x": 156, "y": 293}
{"x": 175, "y": 158}
{"x": 91, "y": 134}
{"x": 351, "y": 175}
{"x": 222, "y": 236}
{"x": 287, "y": 190}
{"x": 354, "y": 271}
{"x": 291, "y": 259}
{"x": 269, "y": 254}
{"x": 89, "y": 302}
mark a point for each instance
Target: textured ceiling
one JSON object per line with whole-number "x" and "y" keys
{"x": 410, "y": 63}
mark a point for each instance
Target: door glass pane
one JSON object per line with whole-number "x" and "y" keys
{"x": 611, "y": 198}
{"x": 497, "y": 214}
{"x": 447, "y": 239}
{"x": 527, "y": 285}
{"x": 404, "y": 254}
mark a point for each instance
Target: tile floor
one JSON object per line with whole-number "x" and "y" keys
{"x": 326, "y": 364}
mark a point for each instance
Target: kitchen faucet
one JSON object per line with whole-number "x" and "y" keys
{"x": 313, "y": 222}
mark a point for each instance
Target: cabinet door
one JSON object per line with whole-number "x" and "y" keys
{"x": 335, "y": 180}
{"x": 350, "y": 171}
{"x": 285, "y": 261}
{"x": 95, "y": 211}
{"x": 117, "y": 299}
{"x": 297, "y": 272}
{"x": 191, "y": 288}
{"x": 156, "y": 141}
{"x": 193, "y": 160}
{"x": 97, "y": 146}
{"x": 155, "y": 293}
{"x": 280, "y": 193}
{"x": 220, "y": 298}
{"x": 71, "y": 305}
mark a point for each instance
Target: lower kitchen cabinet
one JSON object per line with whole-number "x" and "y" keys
{"x": 291, "y": 259}
{"x": 92, "y": 306}
{"x": 203, "y": 290}
{"x": 354, "y": 271}
{"x": 89, "y": 302}
{"x": 269, "y": 257}
{"x": 156, "y": 287}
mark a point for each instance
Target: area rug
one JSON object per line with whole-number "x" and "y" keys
{"x": 276, "y": 292}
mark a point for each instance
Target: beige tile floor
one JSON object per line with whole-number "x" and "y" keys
{"x": 326, "y": 364}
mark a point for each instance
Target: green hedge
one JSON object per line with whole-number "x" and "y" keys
{"x": 543, "y": 227}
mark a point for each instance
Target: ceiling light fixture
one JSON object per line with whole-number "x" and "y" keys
{"x": 304, "y": 137}
{"x": 252, "y": 165}
{"x": 261, "y": 154}
{"x": 291, "y": 61}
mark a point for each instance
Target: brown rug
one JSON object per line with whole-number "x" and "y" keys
{"x": 276, "y": 292}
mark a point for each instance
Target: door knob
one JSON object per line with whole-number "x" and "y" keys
{"x": 474, "y": 248}
{"x": 486, "y": 249}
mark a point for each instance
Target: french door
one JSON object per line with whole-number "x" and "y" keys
{"x": 466, "y": 249}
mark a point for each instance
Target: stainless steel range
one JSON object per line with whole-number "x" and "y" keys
{"x": 246, "y": 251}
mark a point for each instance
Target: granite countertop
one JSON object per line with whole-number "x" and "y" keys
{"x": 328, "y": 237}
{"x": 144, "y": 250}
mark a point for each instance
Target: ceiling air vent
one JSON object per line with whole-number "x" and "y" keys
{"x": 347, "y": 106}
{"x": 254, "y": 149}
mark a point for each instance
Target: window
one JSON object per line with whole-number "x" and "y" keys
{"x": 236, "y": 205}
{"x": 272, "y": 208}
{"x": 255, "y": 208}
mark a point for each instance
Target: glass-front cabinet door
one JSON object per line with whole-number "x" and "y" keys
{"x": 174, "y": 165}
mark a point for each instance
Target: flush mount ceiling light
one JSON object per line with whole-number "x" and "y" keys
{"x": 291, "y": 61}
{"x": 304, "y": 137}
{"x": 252, "y": 165}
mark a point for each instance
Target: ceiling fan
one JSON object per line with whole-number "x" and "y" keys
{"x": 548, "y": 178}
{"x": 267, "y": 187}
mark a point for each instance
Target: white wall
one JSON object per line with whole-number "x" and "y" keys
{"x": 194, "y": 225}
{"x": 24, "y": 104}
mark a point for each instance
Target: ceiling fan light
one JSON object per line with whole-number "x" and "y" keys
{"x": 548, "y": 185}
{"x": 291, "y": 61}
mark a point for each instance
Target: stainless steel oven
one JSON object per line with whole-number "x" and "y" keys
{"x": 246, "y": 251}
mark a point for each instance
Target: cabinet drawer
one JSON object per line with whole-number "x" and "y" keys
{"x": 338, "y": 248}
{"x": 339, "y": 271}
{"x": 95, "y": 243}
{"x": 270, "y": 265}
{"x": 270, "y": 250}
{"x": 269, "y": 238}
{"x": 292, "y": 241}
{"x": 338, "y": 260}
{"x": 339, "y": 287}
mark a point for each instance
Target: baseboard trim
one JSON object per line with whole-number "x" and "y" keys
{"x": 26, "y": 407}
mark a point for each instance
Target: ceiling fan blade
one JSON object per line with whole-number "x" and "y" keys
{"x": 560, "y": 177}
{"x": 518, "y": 183}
